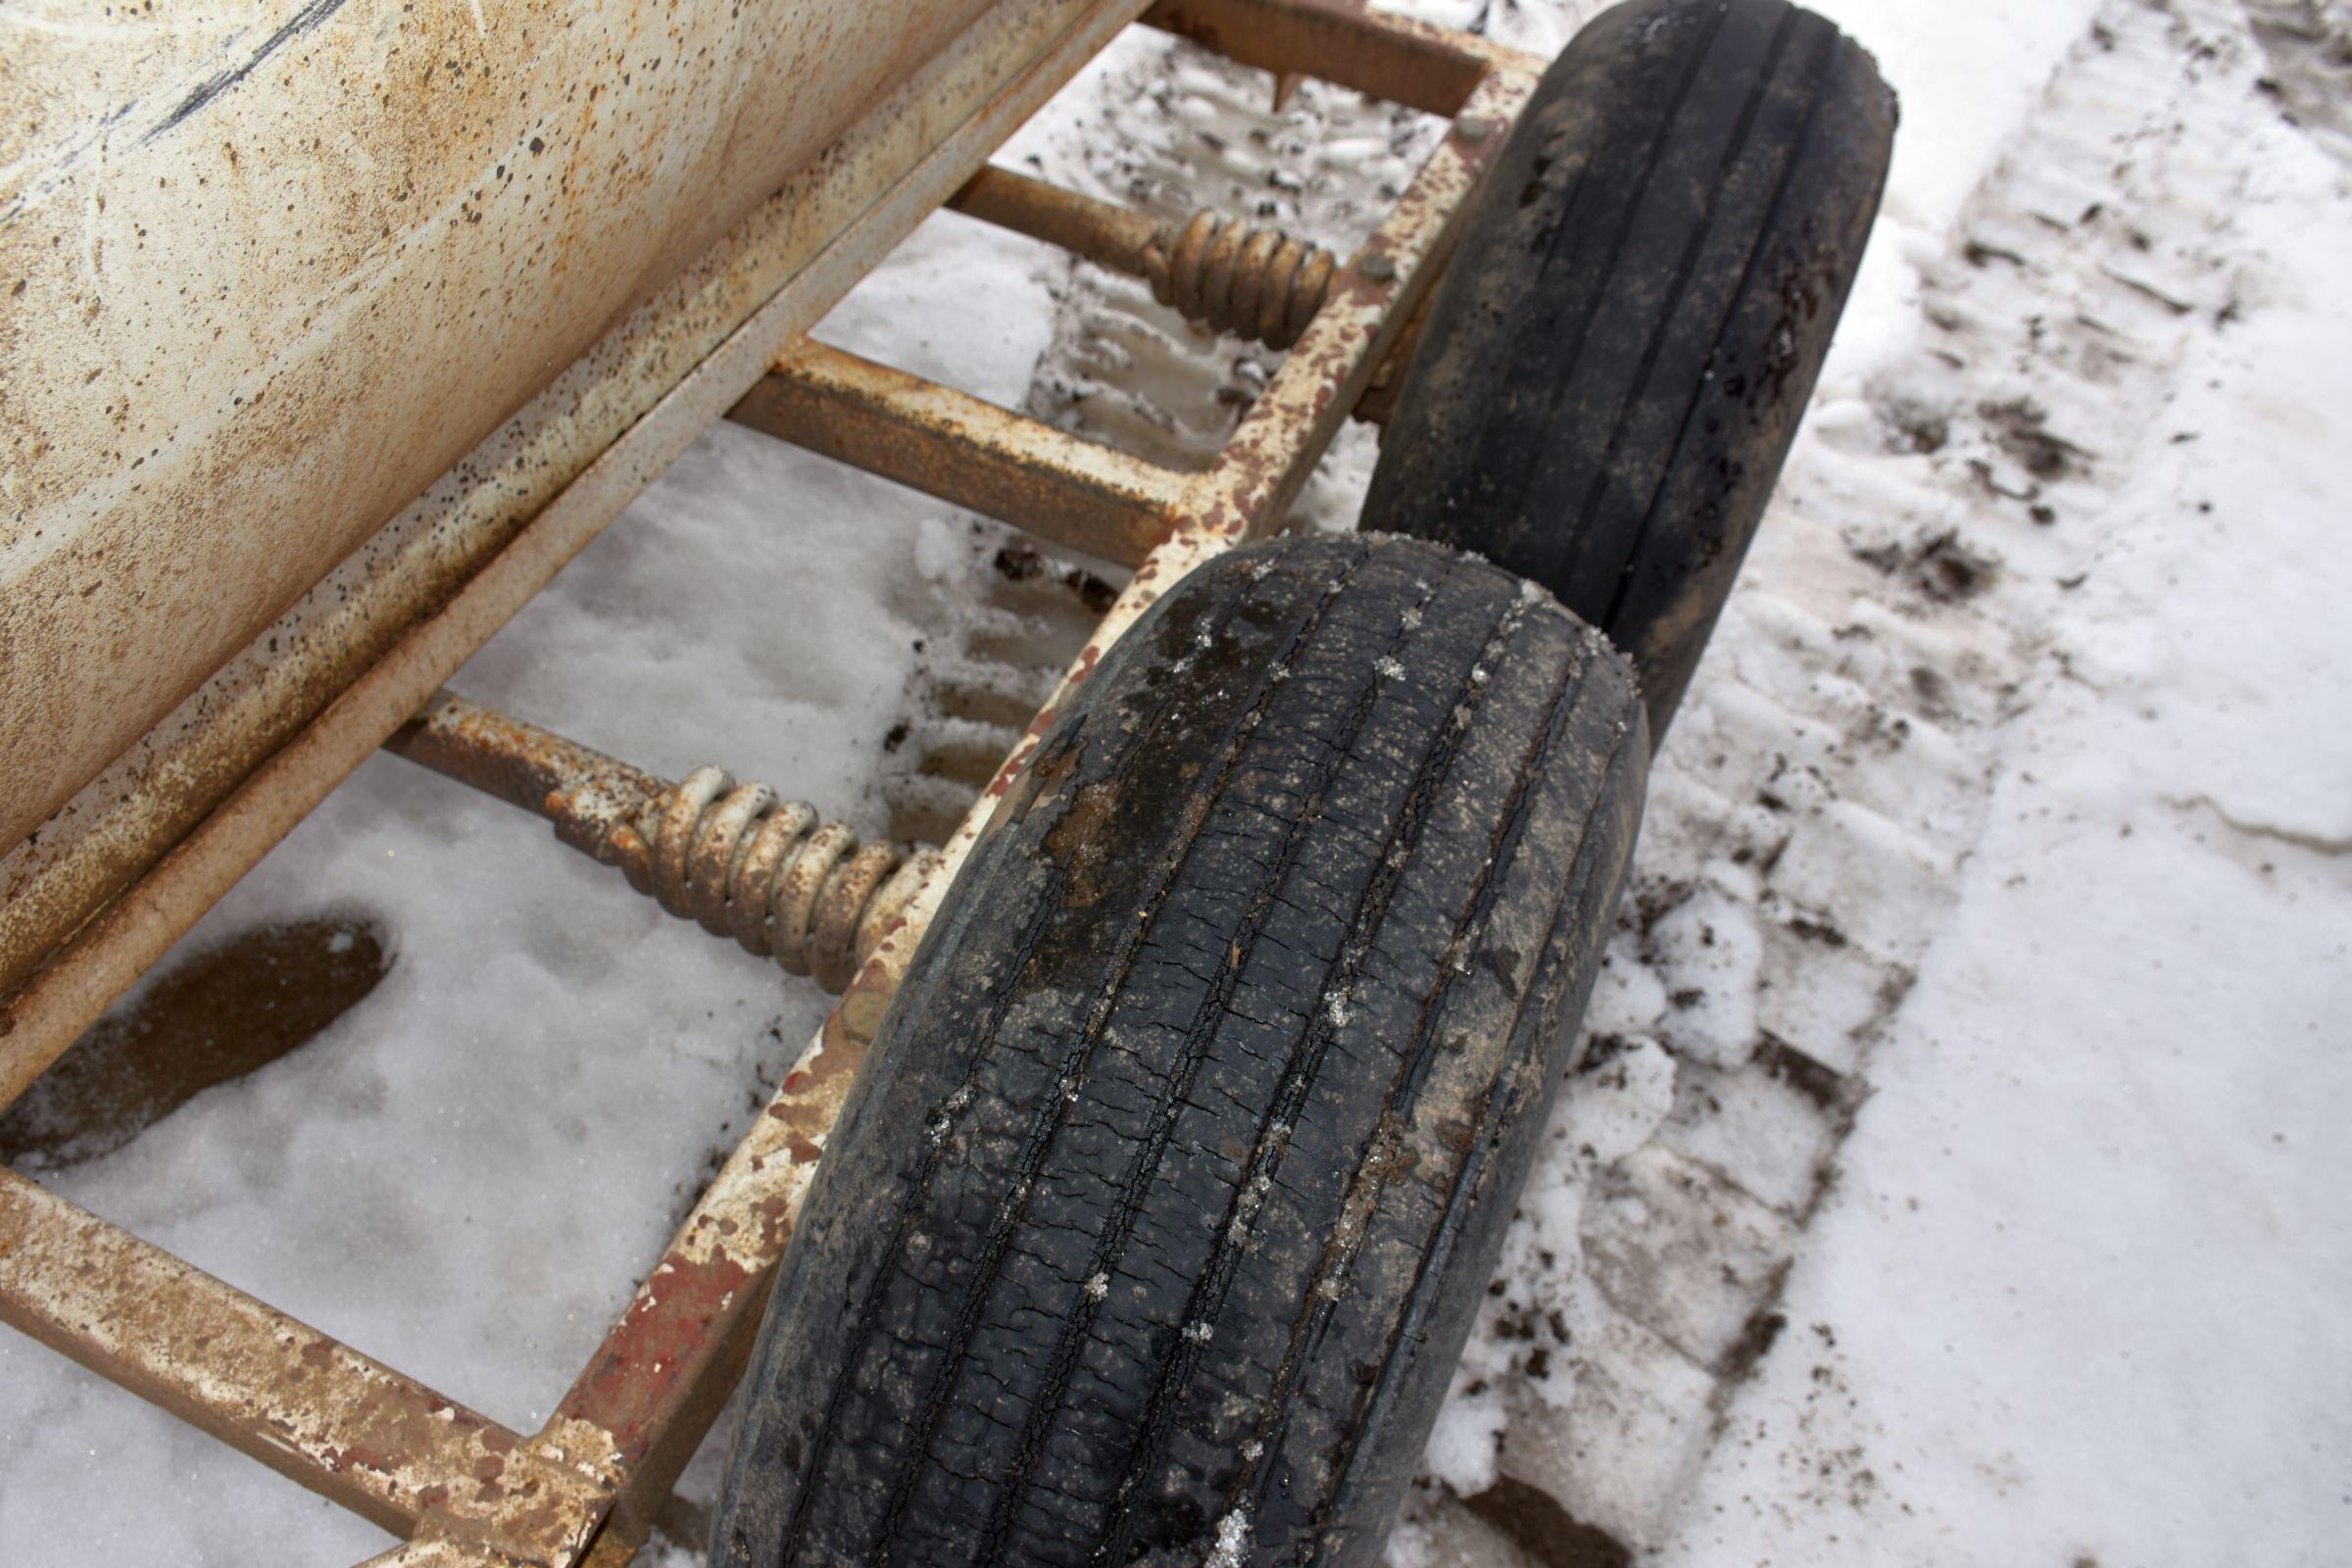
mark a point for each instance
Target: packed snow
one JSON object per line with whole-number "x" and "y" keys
{"x": 1956, "y": 1175}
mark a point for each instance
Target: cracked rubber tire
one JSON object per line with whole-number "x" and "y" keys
{"x": 1616, "y": 359}
{"x": 1163, "y": 1206}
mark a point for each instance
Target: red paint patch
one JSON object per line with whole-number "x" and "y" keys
{"x": 645, "y": 1371}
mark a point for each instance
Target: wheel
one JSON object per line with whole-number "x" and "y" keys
{"x": 1162, "y": 1204}
{"x": 1615, "y": 361}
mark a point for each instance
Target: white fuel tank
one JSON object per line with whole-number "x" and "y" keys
{"x": 268, "y": 271}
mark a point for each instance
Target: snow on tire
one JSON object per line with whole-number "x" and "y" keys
{"x": 1164, "y": 1201}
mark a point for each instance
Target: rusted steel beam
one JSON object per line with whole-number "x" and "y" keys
{"x": 311, "y": 213}
{"x": 1382, "y": 56}
{"x": 667, "y": 1368}
{"x": 1226, "y": 275}
{"x": 738, "y": 860}
{"x": 311, "y": 1409}
{"x": 265, "y": 747}
{"x": 965, "y": 450}
{"x": 588, "y": 796}
{"x": 1104, "y": 233}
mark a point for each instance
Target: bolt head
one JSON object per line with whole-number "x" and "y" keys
{"x": 1378, "y": 266}
{"x": 1473, "y": 129}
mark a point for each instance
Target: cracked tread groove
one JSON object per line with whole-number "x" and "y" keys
{"x": 1199, "y": 1039}
{"x": 1564, "y": 250}
{"x": 1237, "y": 737}
{"x": 1596, "y": 492}
{"x": 1578, "y": 905}
{"x": 1041, "y": 1138}
{"x": 1331, "y": 1266}
{"x": 1297, "y": 1083}
{"x": 1428, "y": 1271}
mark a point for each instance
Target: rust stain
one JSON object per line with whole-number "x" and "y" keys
{"x": 947, "y": 443}
{"x": 1081, "y": 842}
{"x": 466, "y": 553}
{"x": 671, "y": 1329}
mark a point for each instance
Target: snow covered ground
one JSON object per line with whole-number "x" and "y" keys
{"x": 1960, "y": 1178}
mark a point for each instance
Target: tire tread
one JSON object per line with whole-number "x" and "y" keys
{"x": 1355, "y": 768}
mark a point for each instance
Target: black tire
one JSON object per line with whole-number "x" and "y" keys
{"x": 1616, "y": 359}
{"x": 1162, "y": 1207}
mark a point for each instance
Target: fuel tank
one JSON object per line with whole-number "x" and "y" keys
{"x": 267, "y": 271}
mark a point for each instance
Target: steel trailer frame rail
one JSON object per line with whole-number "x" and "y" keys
{"x": 587, "y": 1488}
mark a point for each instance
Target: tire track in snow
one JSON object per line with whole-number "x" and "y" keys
{"x": 1831, "y": 774}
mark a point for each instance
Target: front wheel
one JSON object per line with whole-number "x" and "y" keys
{"x": 1164, "y": 1201}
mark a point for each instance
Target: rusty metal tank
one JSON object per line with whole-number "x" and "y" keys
{"x": 268, "y": 271}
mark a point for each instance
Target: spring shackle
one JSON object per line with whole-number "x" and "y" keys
{"x": 740, "y": 860}
{"x": 1226, "y": 275}
{"x": 1234, "y": 277}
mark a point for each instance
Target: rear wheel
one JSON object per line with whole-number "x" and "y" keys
{"x": 1162, "y": 1207}
{"x": 1616, "y": 359}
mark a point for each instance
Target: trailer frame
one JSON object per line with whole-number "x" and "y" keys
{"x": 588, "y": 1487}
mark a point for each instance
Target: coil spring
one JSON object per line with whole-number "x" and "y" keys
{"x": 742, "y": 862}
{"x": 1254, "y": 282}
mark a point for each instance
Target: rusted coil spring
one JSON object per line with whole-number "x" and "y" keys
{"x": 1255, "y": 282}
{"x": 742, "y": 862}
